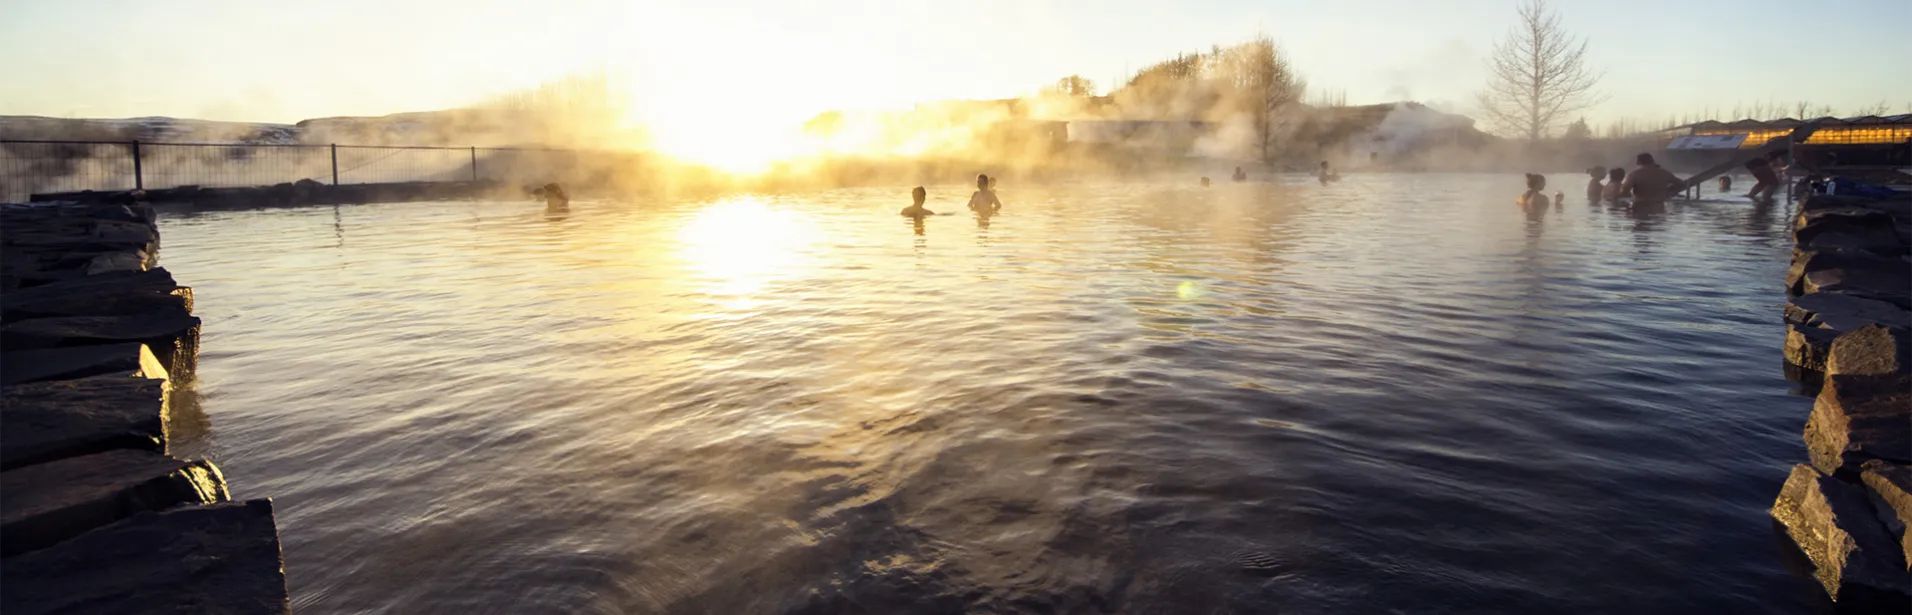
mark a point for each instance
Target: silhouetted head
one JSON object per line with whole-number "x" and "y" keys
{"x": 1643, "y": 159}
{"x": 919, "y": 195}
{"x": 1536, "y": 181}
{"x": 1324, "y": 165}
{"x": 1204, "y": 182}
{"x": 1596, "y": 172}
{"x": 992, "y": 183}
{"x": 1617, "y": 174}
{"x": 982, "y": 182}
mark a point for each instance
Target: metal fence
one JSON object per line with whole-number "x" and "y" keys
{"x": 35, "y": 167}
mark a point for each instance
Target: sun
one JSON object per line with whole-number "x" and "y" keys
{"x": 739, "y": 245}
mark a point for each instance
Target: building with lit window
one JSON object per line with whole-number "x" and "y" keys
{"x": 1870, "y": 141}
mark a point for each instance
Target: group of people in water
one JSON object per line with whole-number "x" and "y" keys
{"x": 1648, "y": 184}
{"x": 1651, "y": 184}
{"x": 983, "y": 202}
{"x": 1323, "y": 174}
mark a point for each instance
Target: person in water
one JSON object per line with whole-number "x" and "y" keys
{"x": 1534, "y": 199}
{"x": 554, "y": 196}
{"x": 1204, "y": 181}
{"x": 1594, "y": 175}
{"x": 1765, "y": 178}
{"x": 916, "y": 210}
{"x": 1725, "y": 184}
{"x": 984, "y": 200}
{"x": 1650, "y": 184}
{"x": 1614, "y": 190}
{"x": 1240, "y": 175}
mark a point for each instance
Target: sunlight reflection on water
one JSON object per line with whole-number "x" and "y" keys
{"x": 1394, "y": 393}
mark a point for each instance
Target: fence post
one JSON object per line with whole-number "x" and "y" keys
{"x": 474, "y": 163}
{"x": 335, "y": 165}
{"x": 139, "y": 174}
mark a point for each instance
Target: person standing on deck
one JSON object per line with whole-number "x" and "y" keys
{"x": 1650, "y": 184}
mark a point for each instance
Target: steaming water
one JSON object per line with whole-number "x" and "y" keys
{"x": 1393, "y": 394}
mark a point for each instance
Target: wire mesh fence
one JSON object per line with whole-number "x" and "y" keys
{"x": 38, "y": 167}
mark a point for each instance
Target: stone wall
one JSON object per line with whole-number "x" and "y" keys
{"x": 96, "y": 516}
{"x": 1848, "y": 313}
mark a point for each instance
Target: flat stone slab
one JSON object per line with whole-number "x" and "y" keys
{"x": 100, "y": 302}
{"x": 1807, "y": 347}
{"x": 171, "y": 334}
{"x": 119, "y": 281}
{"x": 1893, "y": 287}
{"x": 134, "y": 360}
{"x": 1891, "y": 490}
{"x": 44, "y": 421}
{"x": 1844, "y": 312}
{"x": 1871, "y": 350}
{"x": 222, "y": 558}
{"x": 54, "y": 501}
{"x": 1833, "y": 523}
{"x": 54, "y": 332}
{"x": 1858, "y": 418}
{"x": 1805, "y": 260}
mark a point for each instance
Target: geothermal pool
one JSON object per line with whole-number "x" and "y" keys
{"x": 1392, "y": 394}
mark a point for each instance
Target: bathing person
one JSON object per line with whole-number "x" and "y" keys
{"x": 1765, "y": 178}
{"x": 1725, "y": 183}
{"x": 1595, "y": 174}
{"x": 1650, "y": 183}
{"x": 554, "y": 196}
{"x": 984, "y": 200}
{"x": 1323, "y": 174}
{"x": 1615, "y": 190}
{"x": 1533, "y": 200}
{"x": 1240, "y": 175}
{"x": 1204, "y": 181}
{"x": 916, "y": 210}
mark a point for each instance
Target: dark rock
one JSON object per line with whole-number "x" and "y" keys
{"x": 1834, "y": 525}
{"x": 1844, "y": 312}
{"x": 1892, "y": 285}
{"x": 1890, "y": 485}
{"x": 152, "y": 279}
{"x": 99, "y": 302}
{"x": 1818, "y": 260}
{"x": 1823, "y": 202}
{"x": 1857, "y": 418}
{"x": 171, "y": 334}
{"x": 1870, "y": 350}
{"x": 50, "y": 502}
{"x": 134, "y": 360}
{"x": 44, "y": 421}
{"x": 1807, "y": 347}
{"x": 222, "y": 558}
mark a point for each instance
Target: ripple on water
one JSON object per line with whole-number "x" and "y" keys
{"x": 1388, "y": 395}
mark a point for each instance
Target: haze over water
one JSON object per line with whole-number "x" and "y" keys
{"x": 1395, "y": 394}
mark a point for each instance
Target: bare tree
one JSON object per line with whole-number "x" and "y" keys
{"x": 1271, "y": 83}
{"x": 1539, "y": 75}
{"x": 1073, "y": 85}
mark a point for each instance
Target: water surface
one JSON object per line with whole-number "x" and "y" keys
{"x": 1395, "y": 394}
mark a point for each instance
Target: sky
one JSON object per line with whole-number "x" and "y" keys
{"x": 282, "y": 61}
